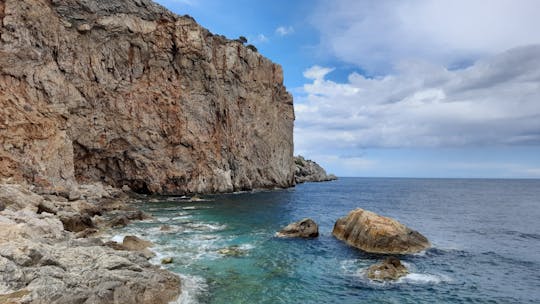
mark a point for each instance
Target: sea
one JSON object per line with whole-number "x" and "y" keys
{"x": 485, "y": 235}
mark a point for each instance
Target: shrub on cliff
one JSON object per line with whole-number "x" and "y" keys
{"x": 242, "y": 39}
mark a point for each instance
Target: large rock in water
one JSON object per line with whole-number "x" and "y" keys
{"x": 373, "y": 233}
{"x": 127, "y": 93}
{"x": 309, "y": 171}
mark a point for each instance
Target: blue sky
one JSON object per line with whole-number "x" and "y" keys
{"x": 420, "y": 88}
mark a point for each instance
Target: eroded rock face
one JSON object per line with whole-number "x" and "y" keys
{"x": 125, "y": 92}
{"x": 310, "y": 171}
{"x": 389, "y": 269}
{"x": 373, "y": 233}
{"x": 306, "y": 228}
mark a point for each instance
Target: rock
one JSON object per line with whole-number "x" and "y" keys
{"x": 134, "y": 243}
{"x": 76, "y": 222}
{"x": 2, "y": 206}
{"x": 310, "y": 171}
{"x": 74, "y": 195}
{"x": 165, "y": 228}
{"x": 14, "y": 297}
{"x": 373, "y": 233}
{"x": 84, "y": 28}
{"x": 306, "y": 228}
{"x": 119, "y": 221}
{"x": 168, "y": 260}
{"x": 137, "y": 215}
{"x": 47, "y": 206}
{"x": 164, "y": 106}
{"x": 86, "y": 233}
{"x": 233, "y": 250}
{"x": 16, "y": 197}
{"x": 389, "y": 269}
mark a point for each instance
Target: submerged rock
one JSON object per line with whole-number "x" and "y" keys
{"x": 306, "y": 228}
{"x": 373, "y": 233}
{"x": 233, "y": 250}
{"x": 389, "y": 269}
{"x": 310, "y": 171}
{"x": 168, "y": 260}
{"x": 165, "y": 228}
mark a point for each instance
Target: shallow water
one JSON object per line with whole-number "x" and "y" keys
{"x": 486, "y": 237}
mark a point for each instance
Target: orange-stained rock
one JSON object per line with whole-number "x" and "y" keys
{"x": 127, "y": 93}
{"x": 373, "y": 233}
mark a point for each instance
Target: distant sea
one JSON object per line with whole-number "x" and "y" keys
{"x": 485, "y": 235}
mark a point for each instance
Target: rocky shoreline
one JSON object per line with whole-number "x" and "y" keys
{"x": 51, "y": 250}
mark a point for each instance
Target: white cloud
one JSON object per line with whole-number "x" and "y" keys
{"x": 377, "y": 34}
{"x": 284, "y": 30}
{"x": 496, "y": 101}
{"x": 261, "y": 38}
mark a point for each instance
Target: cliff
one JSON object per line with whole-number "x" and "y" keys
{"x": 310, "y": 171}
{"x": 126, "y": 93}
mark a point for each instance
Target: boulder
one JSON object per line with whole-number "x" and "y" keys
{"x": 165, "y": 228}
{"x": 168, "y": 260}
{"x": 389, "y": 269}
{"x": 305, "y": 228}
{"x": 119, "y": 221}
{"x": 76, "y": 222}
{"x": 373, "y": 233}
{"x": 134, "y": 243}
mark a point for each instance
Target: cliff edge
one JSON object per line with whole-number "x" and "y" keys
{"x": 126, "y": 93}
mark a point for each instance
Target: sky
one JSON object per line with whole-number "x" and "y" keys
{"x": 419, "y": 88}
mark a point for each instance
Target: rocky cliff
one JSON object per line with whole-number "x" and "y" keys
{"x": 126, "y": 93}
{"x": 309, "y": 171}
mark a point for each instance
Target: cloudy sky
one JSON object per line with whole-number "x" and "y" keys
{"x": 420, "y": 88}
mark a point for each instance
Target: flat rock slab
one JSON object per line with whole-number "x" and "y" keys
{"x": 373, "y": 233}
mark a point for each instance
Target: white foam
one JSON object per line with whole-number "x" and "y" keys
{"x": 246, "y": 247}
{"x": 423, "y": 278}
{"x": 119, "y": 238}
{"x": 206, "y": 226}
{"x": 192, "y": 288}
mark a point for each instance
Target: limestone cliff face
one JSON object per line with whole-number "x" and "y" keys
{"x": 127, "y": 93}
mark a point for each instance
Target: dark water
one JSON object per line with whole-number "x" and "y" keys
{"x": 486, "y": 237}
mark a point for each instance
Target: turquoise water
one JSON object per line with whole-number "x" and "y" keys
{"x": 486, "y": 237}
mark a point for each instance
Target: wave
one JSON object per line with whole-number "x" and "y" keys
{"x": 424, "y": 278}
{"x": 193, "y": 288}
{"x": 206, "y": 226}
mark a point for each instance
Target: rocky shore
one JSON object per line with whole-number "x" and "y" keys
{"x": 309, "y": 171}
{"x": 51, "y": 250}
